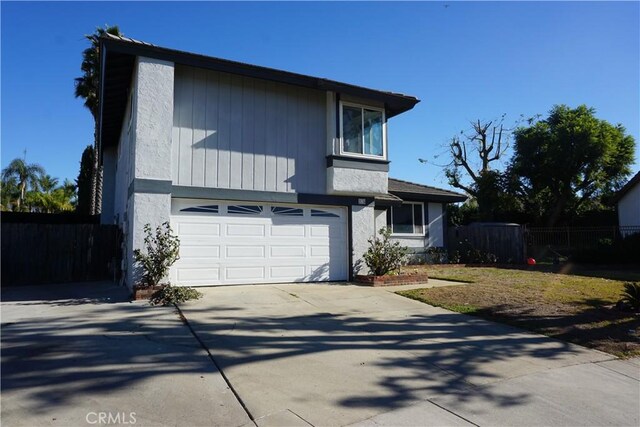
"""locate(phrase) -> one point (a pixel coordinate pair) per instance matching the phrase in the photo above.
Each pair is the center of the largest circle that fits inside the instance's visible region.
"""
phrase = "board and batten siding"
(238, 132)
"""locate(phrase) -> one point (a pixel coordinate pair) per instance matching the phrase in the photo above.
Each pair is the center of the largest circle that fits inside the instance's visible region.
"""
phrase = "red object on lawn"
(531, 261)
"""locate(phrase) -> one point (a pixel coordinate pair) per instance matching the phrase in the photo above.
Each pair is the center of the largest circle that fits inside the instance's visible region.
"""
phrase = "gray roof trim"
(396, 103)
(635, 180)
(117, 66)
(387, 200)
(413, 191)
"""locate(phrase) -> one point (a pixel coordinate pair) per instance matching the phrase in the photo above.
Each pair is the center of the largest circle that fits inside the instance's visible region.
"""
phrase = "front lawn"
(572, 308)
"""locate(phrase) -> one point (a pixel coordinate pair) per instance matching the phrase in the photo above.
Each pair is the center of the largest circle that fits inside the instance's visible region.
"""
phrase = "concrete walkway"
(329, 355)
(71, 353)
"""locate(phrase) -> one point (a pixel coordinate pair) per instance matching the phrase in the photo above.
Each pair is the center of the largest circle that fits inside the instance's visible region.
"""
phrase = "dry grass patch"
(572, 308)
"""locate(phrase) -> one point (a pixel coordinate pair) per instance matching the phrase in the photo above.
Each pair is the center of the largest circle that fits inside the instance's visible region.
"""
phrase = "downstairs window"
(407, 219)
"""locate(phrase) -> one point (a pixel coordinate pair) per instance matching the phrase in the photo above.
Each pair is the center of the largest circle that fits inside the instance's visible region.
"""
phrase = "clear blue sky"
(463, 60)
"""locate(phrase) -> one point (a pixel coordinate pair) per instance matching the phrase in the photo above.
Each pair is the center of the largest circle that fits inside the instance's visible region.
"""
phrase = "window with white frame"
(407, 219)
(362, 130)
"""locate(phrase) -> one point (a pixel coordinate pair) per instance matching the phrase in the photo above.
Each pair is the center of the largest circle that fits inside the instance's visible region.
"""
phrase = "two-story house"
(266, 176)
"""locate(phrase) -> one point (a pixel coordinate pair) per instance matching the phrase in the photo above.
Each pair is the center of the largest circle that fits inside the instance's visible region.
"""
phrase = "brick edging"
(388, 280)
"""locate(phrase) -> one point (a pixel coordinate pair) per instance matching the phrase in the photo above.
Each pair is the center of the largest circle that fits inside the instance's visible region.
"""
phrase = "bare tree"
(472, 154)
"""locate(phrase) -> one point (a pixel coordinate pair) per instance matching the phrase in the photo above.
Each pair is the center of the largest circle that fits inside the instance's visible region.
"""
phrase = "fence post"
(524, 234)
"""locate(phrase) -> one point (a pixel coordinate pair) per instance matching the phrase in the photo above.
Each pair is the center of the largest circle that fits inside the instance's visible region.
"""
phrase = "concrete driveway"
(338, 354)
(81, 354)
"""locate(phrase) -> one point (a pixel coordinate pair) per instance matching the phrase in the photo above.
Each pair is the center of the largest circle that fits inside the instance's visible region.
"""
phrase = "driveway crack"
(218, 367)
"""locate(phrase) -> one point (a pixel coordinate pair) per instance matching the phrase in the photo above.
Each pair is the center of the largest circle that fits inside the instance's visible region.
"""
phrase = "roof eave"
(444, 198)
(394, 103)
(635, 180)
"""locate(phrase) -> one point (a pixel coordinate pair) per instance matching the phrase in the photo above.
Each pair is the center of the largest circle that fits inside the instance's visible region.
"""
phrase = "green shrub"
(437, 255)
(631, 294)
(468, 254)
(170, 295)
(162, 250)
(384, 256)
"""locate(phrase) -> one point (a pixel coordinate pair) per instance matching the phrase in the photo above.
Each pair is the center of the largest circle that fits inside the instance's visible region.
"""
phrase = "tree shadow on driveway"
(371, 362)
(64, 357)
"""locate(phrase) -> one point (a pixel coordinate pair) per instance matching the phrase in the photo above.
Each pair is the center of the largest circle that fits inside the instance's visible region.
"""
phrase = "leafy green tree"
(85, 180)
(87, 88)
(564, 164)
(25, 176)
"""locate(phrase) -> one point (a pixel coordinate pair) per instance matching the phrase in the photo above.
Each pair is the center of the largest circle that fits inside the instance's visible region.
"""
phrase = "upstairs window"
(406, 219)
(362, 130)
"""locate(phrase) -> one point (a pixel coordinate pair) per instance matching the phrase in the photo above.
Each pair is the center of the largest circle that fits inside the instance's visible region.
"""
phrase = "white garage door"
(223, 243)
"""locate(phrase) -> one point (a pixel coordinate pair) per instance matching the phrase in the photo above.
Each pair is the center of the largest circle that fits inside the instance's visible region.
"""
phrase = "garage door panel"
(293, 272)
(323, 251)
(272, 246)
(288, 251)
(245, 251)
(297, 230)
(251, 274)
(204, 251)
(319, 230)
(198, 275)
(319, 272)
(199, 228)
(247, 230)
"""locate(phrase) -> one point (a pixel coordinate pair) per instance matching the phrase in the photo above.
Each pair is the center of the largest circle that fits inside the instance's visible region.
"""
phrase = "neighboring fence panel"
(57, 253)
(552, 243)
(505, 241)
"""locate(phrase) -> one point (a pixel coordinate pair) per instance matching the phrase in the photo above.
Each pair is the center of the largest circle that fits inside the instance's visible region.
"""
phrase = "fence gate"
(504, 240)
(35, 254)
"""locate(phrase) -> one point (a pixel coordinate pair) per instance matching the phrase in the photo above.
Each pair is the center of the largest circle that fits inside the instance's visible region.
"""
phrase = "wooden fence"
(37, 253)
(549, 243)
(505, 241)
(513, 243)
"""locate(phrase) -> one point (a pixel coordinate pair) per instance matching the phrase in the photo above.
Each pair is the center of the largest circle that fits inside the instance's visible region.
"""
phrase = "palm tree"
(47, 183)
(86, 87)
(26, 176)
(9, 193)
(52, 198)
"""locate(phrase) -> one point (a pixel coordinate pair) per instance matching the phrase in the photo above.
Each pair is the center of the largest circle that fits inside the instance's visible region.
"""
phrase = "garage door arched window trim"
(245, 209)
(211, 209)
(288, 211)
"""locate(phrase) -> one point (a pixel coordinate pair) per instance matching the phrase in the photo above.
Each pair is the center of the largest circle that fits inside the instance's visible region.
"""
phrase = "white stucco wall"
(149, 153)
(380, 219)
(363, 228)
(436, 225)
(154, 119)
(356, 181)
(412, 242)
(151, 209)
(629, 208)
